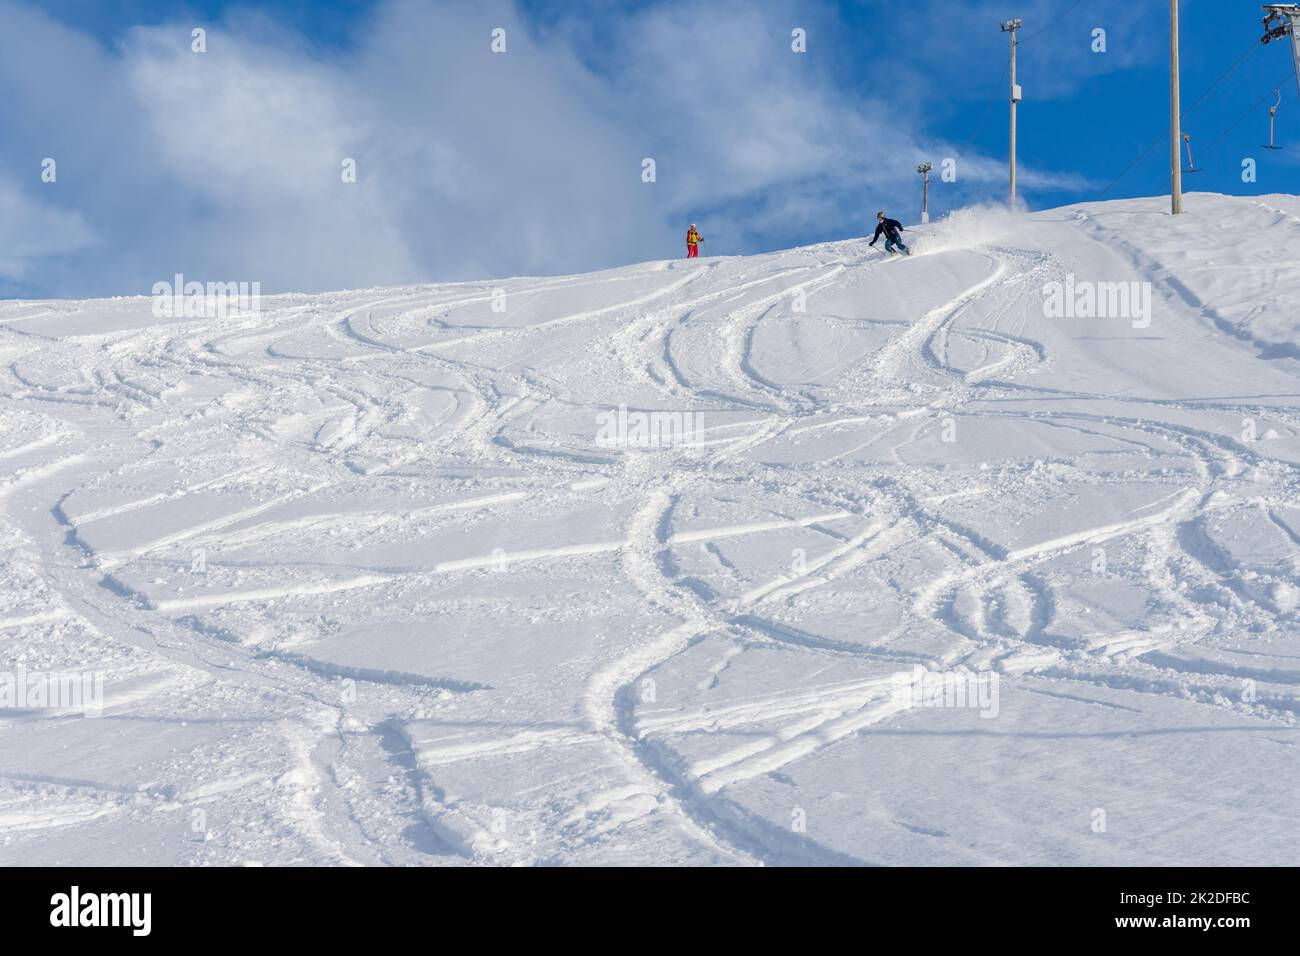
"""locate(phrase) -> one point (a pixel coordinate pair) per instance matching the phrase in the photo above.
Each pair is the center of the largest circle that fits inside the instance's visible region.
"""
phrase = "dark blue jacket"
(890, 227)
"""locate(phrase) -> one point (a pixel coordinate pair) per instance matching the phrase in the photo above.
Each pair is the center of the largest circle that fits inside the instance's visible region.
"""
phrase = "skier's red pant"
(692, 251)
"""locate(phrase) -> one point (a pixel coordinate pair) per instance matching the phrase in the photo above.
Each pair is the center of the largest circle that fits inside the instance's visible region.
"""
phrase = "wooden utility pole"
(1175, 110)
(1011, 26)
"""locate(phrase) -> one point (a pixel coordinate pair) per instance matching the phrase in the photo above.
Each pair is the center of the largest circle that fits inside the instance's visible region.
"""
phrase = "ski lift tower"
(924, 170)
(1281, 19)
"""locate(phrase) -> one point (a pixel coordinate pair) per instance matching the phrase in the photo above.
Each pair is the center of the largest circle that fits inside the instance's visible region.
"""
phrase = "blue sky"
(225, 165)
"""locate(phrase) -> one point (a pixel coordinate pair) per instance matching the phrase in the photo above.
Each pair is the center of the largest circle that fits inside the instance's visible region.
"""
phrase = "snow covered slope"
(623, 568)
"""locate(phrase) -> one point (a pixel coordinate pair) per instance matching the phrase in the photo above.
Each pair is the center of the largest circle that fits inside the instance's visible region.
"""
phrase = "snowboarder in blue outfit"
(892, 229)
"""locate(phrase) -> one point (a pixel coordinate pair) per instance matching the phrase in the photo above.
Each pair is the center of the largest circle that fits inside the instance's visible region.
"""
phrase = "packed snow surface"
(623, 568)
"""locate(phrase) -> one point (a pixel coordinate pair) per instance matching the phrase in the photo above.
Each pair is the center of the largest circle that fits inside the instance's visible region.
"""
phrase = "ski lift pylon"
(1283, 20)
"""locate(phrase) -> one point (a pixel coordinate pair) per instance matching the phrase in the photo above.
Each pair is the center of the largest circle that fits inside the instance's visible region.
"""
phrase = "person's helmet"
(692, 225)
(880, 215)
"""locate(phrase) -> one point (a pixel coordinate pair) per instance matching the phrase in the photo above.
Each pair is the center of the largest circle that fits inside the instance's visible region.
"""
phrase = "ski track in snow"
(365, 588)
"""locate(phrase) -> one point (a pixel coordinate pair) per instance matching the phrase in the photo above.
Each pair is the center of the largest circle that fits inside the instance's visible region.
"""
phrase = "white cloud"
(32, 232)
(226, 165)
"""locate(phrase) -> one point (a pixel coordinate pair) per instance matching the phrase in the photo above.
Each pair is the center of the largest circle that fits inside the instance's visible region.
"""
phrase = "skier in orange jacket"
(693, 241)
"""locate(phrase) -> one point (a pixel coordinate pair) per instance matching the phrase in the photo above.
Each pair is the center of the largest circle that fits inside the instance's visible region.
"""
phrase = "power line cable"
(1060, 16)
(1006, 70)
(1242, 118)
(1129, 168)
(1186, 113)
(1226, 73)
(988, 110)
